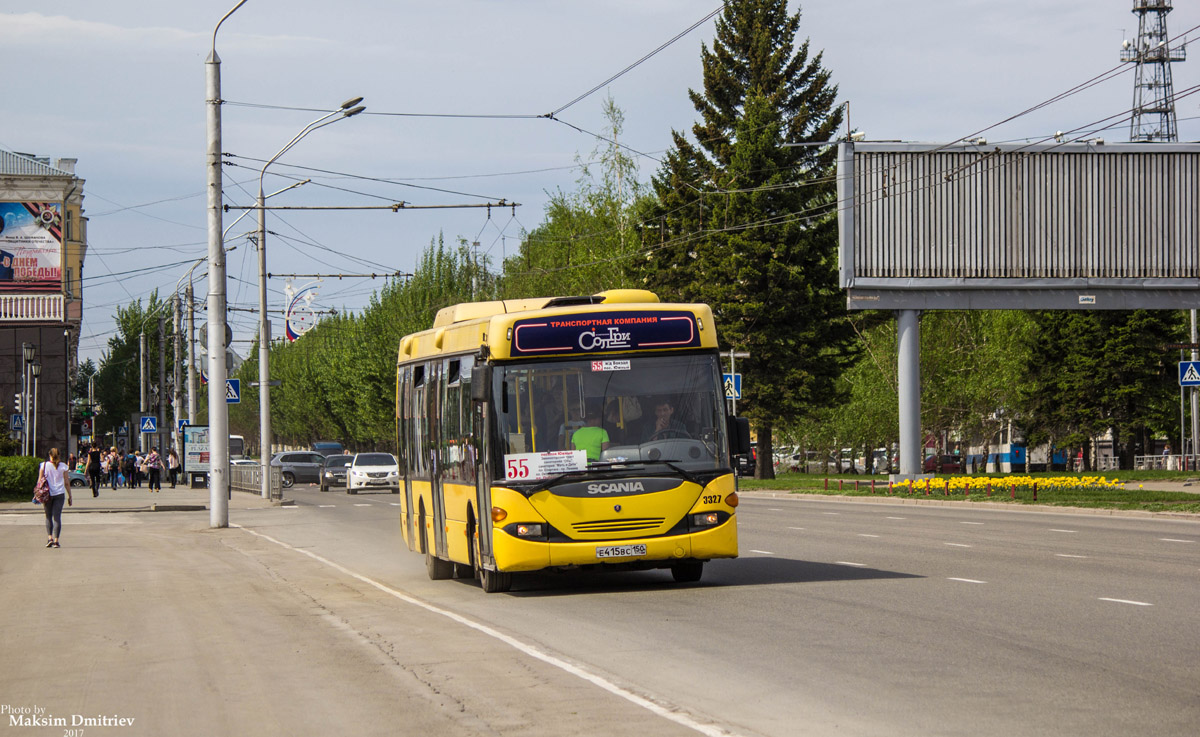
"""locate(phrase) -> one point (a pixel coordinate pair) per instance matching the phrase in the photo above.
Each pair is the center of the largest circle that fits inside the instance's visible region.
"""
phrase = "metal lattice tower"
(1153, 95)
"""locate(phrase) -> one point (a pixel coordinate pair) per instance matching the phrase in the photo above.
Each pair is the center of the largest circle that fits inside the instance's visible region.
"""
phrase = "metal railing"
(31, 307)
(1176, 462)
(248, 478)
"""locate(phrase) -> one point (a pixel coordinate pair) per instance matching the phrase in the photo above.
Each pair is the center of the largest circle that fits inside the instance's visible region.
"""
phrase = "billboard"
(31, 246)
(1019, 226)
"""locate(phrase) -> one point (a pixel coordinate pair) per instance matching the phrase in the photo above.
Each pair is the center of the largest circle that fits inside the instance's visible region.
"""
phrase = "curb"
(896, 500)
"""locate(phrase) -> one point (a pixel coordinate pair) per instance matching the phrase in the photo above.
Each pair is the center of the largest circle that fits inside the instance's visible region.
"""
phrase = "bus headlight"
(706, 519)
(529, 531)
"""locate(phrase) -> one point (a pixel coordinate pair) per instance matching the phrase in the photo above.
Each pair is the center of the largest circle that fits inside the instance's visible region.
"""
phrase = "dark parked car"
(334, 474)
(299, 466)
(745, 462)
(950, 464)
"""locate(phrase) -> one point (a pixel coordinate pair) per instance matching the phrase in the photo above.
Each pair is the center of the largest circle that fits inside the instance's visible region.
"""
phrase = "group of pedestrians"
(128, 470)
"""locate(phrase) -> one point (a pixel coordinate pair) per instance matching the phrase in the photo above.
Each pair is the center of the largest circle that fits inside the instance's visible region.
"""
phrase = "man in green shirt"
(591, 438)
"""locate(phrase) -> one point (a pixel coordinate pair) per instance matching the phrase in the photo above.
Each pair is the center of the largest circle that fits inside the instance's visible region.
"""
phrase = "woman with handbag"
(52, 474)
(153, 465)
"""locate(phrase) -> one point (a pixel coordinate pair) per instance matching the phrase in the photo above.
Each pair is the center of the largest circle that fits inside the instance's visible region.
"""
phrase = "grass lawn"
(1092, 490)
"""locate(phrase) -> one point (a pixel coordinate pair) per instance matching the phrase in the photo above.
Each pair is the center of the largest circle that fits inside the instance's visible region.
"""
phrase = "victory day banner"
(31, 246)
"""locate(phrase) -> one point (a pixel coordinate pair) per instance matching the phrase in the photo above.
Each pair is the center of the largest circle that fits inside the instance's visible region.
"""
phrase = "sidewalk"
(179, 499)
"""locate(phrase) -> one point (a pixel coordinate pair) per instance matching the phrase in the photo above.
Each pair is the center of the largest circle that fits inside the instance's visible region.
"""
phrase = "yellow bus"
(565, 433)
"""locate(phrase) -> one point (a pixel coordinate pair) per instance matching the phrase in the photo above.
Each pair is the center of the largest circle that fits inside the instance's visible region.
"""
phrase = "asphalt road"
(852, 618)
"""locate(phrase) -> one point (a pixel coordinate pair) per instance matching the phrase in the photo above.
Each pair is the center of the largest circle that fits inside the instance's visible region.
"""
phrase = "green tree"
(118, 394)
(748, 224)
(1089, 372)
(589, 235)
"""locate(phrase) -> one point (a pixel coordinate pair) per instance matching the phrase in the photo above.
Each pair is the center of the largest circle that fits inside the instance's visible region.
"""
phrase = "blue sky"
(119, 85)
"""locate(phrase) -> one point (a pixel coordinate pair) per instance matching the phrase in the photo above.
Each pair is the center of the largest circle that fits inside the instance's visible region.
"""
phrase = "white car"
(373, 471)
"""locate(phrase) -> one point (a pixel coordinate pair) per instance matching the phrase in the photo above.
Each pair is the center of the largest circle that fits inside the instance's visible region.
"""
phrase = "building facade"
(43, 244)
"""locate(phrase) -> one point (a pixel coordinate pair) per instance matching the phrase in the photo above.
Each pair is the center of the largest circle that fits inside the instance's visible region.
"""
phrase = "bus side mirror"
(481, 382)
(739, 435)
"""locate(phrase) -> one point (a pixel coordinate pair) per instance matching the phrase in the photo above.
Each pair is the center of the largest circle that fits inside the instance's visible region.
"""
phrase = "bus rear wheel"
(492, 582)
(688, 571)
(438, 569)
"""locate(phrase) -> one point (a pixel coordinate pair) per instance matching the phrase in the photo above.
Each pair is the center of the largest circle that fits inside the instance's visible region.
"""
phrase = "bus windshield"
(557, 417)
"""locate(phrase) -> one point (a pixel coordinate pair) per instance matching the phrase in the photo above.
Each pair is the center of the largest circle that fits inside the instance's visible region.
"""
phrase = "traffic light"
(17, 403)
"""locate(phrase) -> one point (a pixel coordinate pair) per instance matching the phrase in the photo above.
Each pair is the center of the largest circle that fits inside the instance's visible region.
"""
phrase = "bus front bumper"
(513, 554)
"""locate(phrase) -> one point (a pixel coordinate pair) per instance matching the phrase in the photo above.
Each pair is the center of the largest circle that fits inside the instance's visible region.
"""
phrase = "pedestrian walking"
(173, 466)
(131, 478)
(154, 469)
(93, 468)
(114, 468)
(54, 472)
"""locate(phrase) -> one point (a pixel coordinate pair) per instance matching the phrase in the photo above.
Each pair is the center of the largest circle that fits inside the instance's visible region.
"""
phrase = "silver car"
(299, 467)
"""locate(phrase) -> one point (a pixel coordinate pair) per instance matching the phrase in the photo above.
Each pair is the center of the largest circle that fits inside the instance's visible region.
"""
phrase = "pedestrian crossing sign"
(1189, 373)
(233, 391)
(149, 424)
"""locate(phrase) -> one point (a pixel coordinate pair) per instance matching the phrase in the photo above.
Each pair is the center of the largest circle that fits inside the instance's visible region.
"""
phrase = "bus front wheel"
(688, 571)
(492, 582)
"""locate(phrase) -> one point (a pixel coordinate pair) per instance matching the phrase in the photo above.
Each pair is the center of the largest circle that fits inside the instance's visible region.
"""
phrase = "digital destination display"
(604, 332)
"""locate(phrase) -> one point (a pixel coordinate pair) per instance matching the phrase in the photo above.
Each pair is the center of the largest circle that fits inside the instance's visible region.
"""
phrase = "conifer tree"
(749, 225)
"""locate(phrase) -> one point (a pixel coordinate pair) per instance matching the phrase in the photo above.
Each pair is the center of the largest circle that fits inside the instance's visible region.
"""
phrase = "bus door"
(404, 450)
(483, 477)
(435, 381)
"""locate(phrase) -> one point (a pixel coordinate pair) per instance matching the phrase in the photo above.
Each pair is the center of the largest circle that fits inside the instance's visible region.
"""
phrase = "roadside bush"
(18, 474)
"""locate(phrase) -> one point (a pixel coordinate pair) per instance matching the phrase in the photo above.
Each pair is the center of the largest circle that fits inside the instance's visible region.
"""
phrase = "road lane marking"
(970, 523)
(666, 712)
(1126, 601)
(396, 504)
(362, 505)
(965, 580)
(326, 506)
(1065, 555)
(831, 513)
(1175, 540)
(773, 509)
(848, 563)
(895, 518)
(762, 552)
(795, 528)
(863, 534)
(1070, 531)
(957, 545)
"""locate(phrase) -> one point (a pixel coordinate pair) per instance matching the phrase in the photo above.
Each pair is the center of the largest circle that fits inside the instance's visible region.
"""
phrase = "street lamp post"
(218, 411)
(347, 109)
(28, 350)
(35, 370)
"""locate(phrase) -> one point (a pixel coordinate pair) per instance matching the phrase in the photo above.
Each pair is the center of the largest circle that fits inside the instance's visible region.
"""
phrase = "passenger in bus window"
(592, 438)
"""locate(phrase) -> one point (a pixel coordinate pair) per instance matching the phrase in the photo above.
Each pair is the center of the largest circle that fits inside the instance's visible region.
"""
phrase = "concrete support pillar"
(908, 348)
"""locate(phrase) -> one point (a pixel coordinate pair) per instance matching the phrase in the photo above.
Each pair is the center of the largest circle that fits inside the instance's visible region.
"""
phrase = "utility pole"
(142, 404)
(191, 359)
(218, 411)
(162, 385)
(176, 395)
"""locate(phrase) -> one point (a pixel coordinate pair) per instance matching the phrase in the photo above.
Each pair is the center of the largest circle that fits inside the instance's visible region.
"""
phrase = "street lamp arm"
(218, 26)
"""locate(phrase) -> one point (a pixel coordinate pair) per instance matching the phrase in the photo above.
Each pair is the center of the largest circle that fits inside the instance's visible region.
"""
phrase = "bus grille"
(619, 525)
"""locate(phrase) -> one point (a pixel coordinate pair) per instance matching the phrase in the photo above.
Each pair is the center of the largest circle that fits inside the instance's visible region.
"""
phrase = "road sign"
(733, 386)
(149, 423)
(17, 422)
(85, 427)
(122, 430)
(183, 422)
(1189, 373)
(233, 391)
